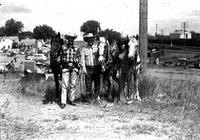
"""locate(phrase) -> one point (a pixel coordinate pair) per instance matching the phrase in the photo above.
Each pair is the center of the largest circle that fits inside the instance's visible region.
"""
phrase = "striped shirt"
(89, 55)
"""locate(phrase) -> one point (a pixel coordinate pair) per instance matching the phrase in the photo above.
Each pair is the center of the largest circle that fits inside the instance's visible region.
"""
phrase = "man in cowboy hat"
(91, 66)
(70, 61)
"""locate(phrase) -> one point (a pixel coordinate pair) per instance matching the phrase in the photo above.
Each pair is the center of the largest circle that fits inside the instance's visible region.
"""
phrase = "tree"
(90, 26)
(195, 35)
(2, 31)
(43, 32)
(13, 27)
(26, 34)
(110, 34)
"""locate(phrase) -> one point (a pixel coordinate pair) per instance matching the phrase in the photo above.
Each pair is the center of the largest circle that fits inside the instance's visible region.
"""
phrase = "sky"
(121, 15)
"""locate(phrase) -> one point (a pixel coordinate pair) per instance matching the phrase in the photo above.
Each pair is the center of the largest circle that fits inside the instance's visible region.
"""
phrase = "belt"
(69, 64)
(126, 65)
(90, 67)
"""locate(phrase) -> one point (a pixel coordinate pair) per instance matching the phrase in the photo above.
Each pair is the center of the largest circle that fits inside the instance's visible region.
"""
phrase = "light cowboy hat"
(88, 35)
(70, 35)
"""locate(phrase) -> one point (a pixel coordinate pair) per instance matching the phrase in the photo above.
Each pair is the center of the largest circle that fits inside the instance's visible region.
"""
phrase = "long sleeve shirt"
(89, 55)
(70, 54)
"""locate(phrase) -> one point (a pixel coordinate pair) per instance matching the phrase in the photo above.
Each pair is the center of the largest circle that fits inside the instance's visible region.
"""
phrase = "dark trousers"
(56, 70)
(93, 75)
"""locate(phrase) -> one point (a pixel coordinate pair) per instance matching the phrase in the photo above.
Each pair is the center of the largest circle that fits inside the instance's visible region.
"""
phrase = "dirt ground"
(25, 117)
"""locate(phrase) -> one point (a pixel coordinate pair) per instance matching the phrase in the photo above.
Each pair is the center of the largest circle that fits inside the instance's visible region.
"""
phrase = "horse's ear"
(127, 37)
(58, 34)
(107, 42)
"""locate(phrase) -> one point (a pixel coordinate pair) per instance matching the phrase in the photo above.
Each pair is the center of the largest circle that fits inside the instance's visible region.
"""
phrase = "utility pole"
(156, 30)
(184, 34)
(161, 40)
(162, 34)
(143, 38)
(184, 26)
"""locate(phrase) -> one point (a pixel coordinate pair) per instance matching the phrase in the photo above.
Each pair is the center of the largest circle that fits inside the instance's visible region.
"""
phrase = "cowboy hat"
(70, 35)
(88, 35)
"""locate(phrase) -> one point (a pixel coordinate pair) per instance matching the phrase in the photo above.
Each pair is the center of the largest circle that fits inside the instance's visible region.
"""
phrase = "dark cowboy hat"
(88, 36)
(70, 36)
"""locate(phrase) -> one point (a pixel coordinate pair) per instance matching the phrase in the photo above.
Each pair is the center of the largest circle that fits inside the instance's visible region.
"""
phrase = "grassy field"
(169, 110)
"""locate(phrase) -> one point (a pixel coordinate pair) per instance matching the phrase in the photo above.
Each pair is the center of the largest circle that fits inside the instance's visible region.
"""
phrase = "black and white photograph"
(99, 70)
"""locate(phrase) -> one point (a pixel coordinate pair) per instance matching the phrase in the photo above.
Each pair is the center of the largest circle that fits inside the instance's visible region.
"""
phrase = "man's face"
(70, 41)
(90, 41)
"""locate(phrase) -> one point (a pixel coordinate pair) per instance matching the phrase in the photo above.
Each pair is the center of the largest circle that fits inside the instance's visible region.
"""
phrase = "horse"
(55, 51)
(106, 58)
(128, 67)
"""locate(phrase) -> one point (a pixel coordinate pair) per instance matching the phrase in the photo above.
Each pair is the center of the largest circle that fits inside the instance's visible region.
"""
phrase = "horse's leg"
(130, 88)
(122, 83)
(136, 85)
(109, 83)
(56, 84)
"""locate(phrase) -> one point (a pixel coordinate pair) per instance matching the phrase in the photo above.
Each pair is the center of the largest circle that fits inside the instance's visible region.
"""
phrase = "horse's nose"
(130, 55)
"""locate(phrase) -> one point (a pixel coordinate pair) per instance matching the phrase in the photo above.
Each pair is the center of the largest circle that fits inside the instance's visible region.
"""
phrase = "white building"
(5, 44)
(179, 34)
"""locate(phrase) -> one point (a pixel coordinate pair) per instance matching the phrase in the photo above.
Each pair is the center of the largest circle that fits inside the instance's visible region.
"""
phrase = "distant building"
(179, 34)
(28, 42)
(13, 38)
(5, 44)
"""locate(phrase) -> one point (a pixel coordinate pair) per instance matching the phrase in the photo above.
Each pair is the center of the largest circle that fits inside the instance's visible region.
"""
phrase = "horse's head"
(132, 47)
(102, 46)
(56, 40)
(103, 43)
(56, 44)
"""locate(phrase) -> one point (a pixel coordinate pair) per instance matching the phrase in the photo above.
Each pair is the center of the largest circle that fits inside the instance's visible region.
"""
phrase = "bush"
(32, 84)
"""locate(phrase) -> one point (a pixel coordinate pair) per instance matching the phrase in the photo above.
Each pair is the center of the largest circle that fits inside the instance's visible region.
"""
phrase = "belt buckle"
(70, 64)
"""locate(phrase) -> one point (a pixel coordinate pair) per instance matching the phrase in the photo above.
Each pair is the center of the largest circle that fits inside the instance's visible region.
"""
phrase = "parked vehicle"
(40, 57)
(31, 57)
(37, 57)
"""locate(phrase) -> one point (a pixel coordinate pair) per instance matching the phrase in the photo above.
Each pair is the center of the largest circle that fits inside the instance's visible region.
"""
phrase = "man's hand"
(84, 71)
(117, 75)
